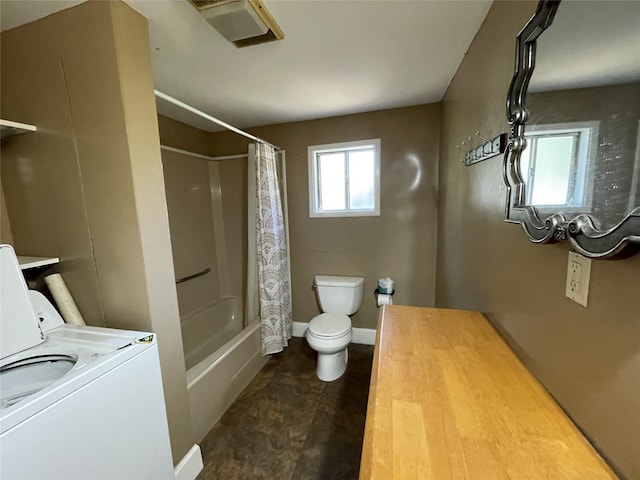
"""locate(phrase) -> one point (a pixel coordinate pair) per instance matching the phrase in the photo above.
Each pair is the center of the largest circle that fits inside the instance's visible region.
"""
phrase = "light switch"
(578, 274)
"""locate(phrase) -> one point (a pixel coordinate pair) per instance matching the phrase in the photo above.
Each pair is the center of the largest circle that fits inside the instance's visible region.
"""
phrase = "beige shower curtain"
(273, 269)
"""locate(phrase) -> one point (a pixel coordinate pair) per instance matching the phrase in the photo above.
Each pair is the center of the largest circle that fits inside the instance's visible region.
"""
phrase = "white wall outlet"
(578, 274)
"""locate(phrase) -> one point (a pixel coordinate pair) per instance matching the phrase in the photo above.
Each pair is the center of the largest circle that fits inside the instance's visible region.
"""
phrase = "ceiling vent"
(242, 22)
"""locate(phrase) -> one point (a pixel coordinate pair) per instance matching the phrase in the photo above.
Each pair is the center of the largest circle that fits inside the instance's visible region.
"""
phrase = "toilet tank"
(338, 294)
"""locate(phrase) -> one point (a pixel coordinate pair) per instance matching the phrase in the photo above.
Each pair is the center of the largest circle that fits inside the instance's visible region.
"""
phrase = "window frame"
(586, 149)
(314, 178)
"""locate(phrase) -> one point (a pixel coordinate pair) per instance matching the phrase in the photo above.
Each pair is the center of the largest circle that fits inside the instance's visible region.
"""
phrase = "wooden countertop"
(450, 400)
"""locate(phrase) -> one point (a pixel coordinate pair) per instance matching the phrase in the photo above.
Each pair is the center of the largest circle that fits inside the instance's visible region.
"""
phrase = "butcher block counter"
(450, 400)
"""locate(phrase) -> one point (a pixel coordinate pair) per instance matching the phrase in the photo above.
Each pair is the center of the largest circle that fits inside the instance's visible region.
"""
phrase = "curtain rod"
(206, 116)
(203, 157)
(206, 157)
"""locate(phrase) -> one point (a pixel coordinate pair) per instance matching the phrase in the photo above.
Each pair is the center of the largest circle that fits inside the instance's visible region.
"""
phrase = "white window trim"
(313, 150)
(588, 148)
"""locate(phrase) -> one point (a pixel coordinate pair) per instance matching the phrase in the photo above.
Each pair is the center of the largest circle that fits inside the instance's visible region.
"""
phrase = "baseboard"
(190, 466)
(364, 336)
(361, 336)
(299, 329)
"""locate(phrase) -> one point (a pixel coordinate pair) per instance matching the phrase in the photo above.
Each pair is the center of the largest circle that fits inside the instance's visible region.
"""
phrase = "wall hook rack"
(486, 150)
(482, 136)
(472, 142)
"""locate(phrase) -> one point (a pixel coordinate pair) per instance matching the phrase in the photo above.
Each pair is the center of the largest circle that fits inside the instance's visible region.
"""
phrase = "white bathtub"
(217, 380)
(207, 329)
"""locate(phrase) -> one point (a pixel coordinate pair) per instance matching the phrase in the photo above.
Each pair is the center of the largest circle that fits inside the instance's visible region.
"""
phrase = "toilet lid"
(330, 325)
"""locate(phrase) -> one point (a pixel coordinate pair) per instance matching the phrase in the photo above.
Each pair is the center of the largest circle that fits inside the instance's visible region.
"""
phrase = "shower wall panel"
(233, 181)
(192, 234)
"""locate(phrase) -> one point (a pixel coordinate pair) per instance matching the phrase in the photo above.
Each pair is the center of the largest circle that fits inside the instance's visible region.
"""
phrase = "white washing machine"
(75, 402)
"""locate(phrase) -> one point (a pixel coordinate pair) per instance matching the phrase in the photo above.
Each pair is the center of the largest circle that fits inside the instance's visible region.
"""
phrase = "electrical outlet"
(578, 274)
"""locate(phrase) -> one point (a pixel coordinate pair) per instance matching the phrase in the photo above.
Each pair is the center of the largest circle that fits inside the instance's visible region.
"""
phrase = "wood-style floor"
(287, 424)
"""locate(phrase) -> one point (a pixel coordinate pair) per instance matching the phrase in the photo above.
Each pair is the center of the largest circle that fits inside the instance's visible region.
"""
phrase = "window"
(555, 163)
(344, 179)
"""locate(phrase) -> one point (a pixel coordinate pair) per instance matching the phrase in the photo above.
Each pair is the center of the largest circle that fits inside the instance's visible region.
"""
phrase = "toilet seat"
(330, 325)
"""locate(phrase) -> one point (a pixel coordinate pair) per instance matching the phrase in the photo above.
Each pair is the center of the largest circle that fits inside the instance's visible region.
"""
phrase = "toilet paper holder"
(378, 292)
(383, 298)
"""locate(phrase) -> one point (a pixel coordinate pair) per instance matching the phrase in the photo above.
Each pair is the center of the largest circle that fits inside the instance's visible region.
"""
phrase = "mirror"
(572, 166)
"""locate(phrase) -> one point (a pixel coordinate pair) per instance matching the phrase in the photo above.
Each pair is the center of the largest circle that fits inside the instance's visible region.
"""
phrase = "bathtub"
(207, 329)
(216, 381)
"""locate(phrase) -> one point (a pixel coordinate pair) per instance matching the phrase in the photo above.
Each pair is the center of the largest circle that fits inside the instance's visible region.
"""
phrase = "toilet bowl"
(330, 333)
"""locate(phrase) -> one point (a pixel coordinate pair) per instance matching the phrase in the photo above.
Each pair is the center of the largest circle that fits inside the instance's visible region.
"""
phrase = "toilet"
(329, 333)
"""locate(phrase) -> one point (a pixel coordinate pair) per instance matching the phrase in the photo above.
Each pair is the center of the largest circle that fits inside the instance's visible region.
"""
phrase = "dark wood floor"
(287, 424)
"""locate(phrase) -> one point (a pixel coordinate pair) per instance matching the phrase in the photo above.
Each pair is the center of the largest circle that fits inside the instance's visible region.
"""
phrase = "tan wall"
(179, 135)
(88, 187)
(399, 243)
(588, 358)
(40, 171)
(5, 225)
(159, 298)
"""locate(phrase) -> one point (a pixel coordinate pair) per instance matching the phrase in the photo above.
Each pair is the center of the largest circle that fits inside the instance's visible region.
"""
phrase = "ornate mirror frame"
(580, 231)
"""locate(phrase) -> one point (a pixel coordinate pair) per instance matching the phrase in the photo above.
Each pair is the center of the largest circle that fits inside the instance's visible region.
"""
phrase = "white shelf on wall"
(35, 262)
(7, 128)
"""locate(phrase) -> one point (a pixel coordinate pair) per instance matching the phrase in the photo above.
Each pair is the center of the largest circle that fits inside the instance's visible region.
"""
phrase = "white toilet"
(329, 333)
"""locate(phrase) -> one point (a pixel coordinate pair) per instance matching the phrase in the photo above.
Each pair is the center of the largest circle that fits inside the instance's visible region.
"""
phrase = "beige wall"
(159, 301)
(40, 171)
(399, 243)
(179, 135)
(88, 186)
(588, 358)
(5, 225)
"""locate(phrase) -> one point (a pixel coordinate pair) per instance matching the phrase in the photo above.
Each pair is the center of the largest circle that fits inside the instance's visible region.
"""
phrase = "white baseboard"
(361, 336)
(364, 336)
(299, 329)
(191, 464)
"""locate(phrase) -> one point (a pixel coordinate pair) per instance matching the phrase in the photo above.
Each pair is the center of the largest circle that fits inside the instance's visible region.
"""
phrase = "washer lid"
(19, 326)
(338, 281)
(330, 325)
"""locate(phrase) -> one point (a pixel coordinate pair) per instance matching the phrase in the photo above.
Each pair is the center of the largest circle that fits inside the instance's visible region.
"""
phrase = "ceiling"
(589, 44)
(338, 56)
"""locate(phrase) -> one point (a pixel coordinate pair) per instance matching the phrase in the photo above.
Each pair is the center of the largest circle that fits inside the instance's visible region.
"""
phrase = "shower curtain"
(273, 269)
